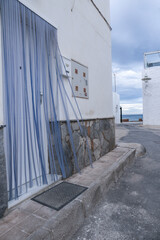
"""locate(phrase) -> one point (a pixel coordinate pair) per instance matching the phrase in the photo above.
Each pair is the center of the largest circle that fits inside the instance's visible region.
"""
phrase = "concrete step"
(40, 222)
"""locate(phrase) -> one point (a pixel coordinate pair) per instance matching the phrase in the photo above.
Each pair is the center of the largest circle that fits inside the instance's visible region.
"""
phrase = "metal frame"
(149, 53)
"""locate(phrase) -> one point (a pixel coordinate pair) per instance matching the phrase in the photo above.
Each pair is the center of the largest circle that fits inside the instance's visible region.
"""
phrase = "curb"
(66, 223)
(140, 149)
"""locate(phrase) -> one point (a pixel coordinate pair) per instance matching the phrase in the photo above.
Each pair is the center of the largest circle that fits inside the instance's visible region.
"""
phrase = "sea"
(133, 117)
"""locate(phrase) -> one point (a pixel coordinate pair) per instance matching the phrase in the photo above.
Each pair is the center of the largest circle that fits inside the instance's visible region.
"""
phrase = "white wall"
(85, 37)
(104, 8)
(151, 97)
(1, 87)
(116, 107)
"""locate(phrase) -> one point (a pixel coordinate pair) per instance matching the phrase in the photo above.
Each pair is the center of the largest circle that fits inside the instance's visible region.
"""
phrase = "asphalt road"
(131, 208)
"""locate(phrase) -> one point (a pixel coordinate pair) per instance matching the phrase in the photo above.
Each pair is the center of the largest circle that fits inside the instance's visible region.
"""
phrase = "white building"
(151, 88)
(116, 107)
(84, 38)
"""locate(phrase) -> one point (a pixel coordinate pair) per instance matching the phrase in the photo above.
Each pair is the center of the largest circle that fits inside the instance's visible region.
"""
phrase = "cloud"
(128, 78)
(128, 85)
(130, 101)
(135, 29)
(130, 108)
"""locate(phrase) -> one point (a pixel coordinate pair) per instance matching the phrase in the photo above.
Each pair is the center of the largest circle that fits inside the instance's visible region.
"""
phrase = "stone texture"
(76, 140)
(31, 223)
(41, 234)
(97, 153)
(64, 130)
(80, 156)
(4, 227)
(14, 233)
(105, 148)
(100, 139)
(29, 207)
(69, 156)
(3, 178)
(130, 210)
(45, 223)
(67, 222)
(45, 212)
(15, 217)
(75, 126)
(140, 149)
(96, 144)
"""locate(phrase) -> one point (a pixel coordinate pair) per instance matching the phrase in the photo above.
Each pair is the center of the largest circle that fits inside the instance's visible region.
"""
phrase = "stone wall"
(3, 178)
(101, 140)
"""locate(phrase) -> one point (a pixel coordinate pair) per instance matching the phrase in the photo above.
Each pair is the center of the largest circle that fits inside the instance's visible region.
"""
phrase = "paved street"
(131, 208)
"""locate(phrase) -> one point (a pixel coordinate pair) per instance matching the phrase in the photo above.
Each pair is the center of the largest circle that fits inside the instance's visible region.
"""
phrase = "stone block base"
(100, 137)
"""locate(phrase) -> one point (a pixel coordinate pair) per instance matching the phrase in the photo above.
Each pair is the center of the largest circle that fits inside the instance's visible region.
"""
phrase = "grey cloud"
(128, 94)
(136, 29)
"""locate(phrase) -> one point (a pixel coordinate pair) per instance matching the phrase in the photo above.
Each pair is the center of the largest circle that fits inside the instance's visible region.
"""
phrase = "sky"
(135, 30)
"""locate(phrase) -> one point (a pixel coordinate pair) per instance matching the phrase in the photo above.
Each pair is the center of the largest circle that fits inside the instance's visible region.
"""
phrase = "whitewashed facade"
(151, 90)
(116, 107)
(85, 37)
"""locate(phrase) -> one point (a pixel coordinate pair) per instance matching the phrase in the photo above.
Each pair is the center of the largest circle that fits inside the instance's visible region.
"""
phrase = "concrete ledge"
(65, 223)
(31, 220)
(140, 149)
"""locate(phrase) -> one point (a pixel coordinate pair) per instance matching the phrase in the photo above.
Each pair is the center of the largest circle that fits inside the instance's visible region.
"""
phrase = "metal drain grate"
(60, 195)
